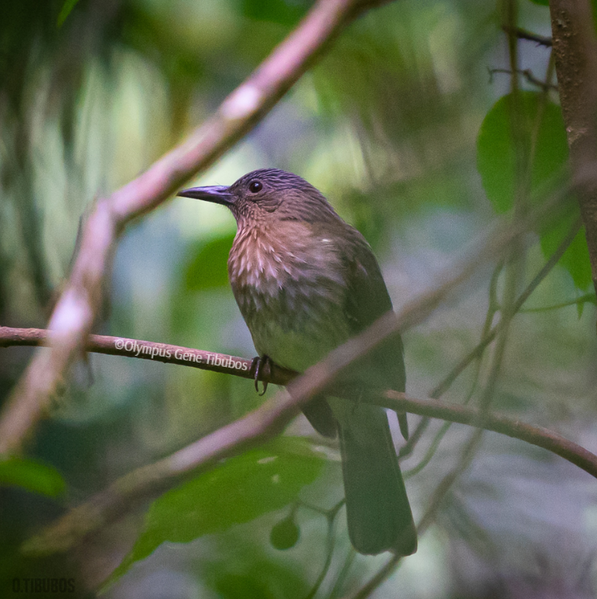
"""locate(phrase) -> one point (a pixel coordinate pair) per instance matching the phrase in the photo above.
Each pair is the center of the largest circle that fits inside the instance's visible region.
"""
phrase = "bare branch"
(528, 75)
(75, 312)
(157, 352)
(535, 435)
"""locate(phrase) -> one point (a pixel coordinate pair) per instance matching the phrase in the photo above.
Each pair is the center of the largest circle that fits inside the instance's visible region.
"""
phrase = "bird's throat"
(288, 284)
(269, 256)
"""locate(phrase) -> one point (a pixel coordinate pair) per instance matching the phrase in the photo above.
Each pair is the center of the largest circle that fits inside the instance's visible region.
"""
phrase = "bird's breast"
(290, 287)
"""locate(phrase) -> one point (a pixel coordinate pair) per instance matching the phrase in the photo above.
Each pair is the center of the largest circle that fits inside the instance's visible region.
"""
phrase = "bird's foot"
(261, 368)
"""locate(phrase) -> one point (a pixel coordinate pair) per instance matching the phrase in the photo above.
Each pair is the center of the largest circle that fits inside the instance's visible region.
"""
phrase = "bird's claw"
(261, 367)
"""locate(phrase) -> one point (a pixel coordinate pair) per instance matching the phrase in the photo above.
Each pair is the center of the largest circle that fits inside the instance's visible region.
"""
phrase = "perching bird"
(305, 282)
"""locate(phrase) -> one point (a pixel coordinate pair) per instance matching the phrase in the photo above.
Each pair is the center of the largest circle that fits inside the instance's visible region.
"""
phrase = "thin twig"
(528, 75)
(492, 309)
(343, 573)
(330, 543)
(524, 34)
(468, 453)
(583, 299)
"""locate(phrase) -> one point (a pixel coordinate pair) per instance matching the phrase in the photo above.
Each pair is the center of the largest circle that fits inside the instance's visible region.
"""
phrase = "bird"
(305, 282)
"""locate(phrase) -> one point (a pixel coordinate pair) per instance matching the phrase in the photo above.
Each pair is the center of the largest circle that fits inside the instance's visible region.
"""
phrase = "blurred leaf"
(240, 490)
(242, 586)
(32, 476)
(576, 258)
(284, 12)
(496, 160)
(207, 266)
(496, 154)
(260, 578)
(541, 2)
(65, 11)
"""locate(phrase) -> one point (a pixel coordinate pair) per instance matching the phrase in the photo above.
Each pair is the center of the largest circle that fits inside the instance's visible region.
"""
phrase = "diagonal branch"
(77, 307)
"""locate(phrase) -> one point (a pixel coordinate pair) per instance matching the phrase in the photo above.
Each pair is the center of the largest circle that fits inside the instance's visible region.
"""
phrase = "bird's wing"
(367, 300)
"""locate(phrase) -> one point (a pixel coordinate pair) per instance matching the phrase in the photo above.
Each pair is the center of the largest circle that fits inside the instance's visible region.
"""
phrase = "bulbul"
(305, 282)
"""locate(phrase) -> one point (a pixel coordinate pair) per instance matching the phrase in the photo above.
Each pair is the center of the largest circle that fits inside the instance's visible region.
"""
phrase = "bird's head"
(268, 195)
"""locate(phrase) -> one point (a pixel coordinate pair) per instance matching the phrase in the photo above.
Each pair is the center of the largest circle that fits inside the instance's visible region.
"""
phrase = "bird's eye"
(255, 186)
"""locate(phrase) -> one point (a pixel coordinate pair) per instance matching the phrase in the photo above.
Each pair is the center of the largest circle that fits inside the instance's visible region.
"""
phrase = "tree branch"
(157, 352)
(535, 435)
(77, 307)
(575, 48)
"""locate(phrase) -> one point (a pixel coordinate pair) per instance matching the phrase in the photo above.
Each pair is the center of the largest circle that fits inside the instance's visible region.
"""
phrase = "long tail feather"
(378, 512)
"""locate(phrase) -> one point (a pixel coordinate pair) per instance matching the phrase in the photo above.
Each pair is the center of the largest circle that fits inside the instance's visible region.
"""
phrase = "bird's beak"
(218, 194)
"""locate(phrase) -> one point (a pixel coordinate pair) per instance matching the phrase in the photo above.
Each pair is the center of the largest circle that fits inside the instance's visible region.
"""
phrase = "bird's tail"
(378, 512)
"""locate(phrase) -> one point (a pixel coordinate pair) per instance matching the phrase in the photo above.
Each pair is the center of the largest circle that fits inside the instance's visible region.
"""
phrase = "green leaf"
(65, 11)
(240, 490)
(541, 2)
(285, 534)
(576, 258)
(32, 476)
(496, 161)
(496, 154)
(206, 267)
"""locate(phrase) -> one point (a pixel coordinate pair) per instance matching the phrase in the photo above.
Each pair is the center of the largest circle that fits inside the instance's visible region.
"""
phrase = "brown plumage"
(305, 282)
